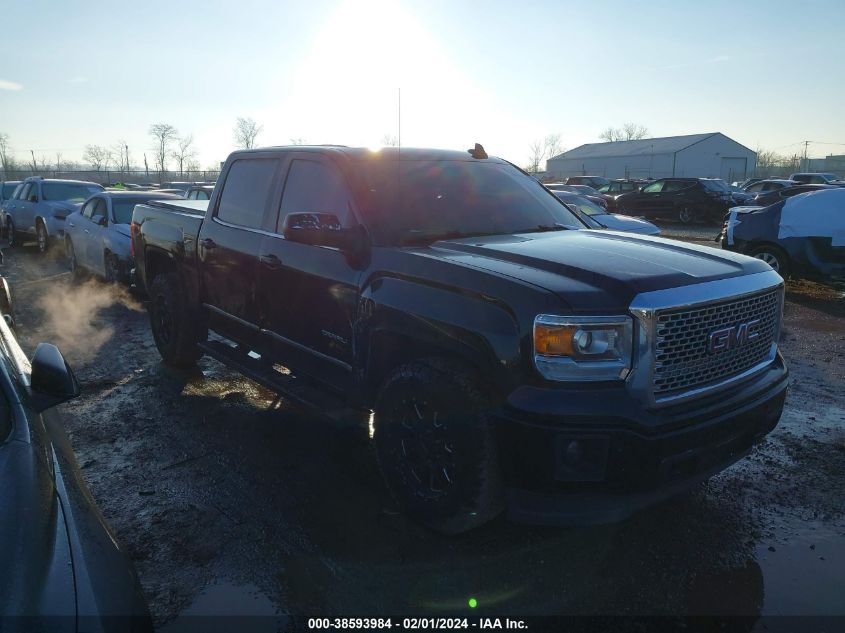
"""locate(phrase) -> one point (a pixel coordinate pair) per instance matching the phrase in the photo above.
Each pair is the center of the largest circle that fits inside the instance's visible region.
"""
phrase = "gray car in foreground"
(97, 235)
(61, 568)
(41, 205)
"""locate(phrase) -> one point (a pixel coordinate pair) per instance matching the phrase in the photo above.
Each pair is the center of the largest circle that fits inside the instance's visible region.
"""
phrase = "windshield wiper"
(542, 228)
(426, 237)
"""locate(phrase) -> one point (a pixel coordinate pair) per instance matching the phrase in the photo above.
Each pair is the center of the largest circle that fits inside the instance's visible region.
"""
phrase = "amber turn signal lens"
(554, 340)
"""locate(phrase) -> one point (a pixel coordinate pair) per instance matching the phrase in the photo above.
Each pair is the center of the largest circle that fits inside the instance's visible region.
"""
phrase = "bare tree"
(390, 140)
(535, 157)
(58, 161)
(4, 153)
(163, 134)
(121, 151)
(628, 132)
(98, 156)
(541, 151)
(634, 131)
(552, 146)
(246, 131)
(184, 152)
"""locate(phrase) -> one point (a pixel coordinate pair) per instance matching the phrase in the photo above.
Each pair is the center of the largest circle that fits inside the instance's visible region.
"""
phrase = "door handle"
(87, 231)
(270, 260)
(208, 243)
(71, 224)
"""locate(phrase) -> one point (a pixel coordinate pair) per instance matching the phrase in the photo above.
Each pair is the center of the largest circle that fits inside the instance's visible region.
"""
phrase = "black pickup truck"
(510, 357)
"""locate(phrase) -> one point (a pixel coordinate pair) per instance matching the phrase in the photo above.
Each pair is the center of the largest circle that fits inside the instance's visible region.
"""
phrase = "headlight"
(583, 348)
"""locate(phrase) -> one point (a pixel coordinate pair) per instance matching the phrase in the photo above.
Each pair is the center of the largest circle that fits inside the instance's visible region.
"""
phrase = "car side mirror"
(102, 220)
(52, 381)
(319, 229)
(32, 198)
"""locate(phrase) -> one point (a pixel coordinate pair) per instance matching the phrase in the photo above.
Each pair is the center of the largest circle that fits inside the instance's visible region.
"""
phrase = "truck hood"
(597, 270)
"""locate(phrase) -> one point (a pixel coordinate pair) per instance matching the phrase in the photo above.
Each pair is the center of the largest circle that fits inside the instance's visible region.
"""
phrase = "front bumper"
(596, 456)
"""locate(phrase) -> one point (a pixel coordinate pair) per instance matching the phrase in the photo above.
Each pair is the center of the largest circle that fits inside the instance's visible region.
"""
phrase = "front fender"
(401, 320)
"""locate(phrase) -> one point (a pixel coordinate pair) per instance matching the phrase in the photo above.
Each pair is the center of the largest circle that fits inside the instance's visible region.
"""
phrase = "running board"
(290, 387)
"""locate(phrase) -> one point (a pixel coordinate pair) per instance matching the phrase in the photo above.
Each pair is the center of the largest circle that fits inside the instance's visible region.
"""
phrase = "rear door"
(81, 232)
(229, 243)
(308, 294)
(25, 208)
(95, 230)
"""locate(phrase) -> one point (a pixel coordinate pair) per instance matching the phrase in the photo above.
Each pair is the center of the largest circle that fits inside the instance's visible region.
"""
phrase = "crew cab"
(506, 356)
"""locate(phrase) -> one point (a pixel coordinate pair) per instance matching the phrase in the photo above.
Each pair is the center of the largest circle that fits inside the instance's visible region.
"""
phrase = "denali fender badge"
(734, 336)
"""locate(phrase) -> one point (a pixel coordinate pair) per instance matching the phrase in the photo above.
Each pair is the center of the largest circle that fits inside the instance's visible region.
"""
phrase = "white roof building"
(712, 155)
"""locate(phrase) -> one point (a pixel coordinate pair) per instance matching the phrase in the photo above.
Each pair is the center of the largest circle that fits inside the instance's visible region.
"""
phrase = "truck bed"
(191, 207)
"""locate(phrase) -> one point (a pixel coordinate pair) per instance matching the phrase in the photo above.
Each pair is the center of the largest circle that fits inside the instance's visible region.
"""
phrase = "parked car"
(580, 190)
(615, 188)
(447, 293)
(97, 235)
(62, 567)
(41, 205)
(773, 184)
(766, 198)
(803, 235)
(591, 181)
(199, 192)
(178, 185)
(603, 219)
(7, 191)
(747, 182)
(684, 199)
(815, 178)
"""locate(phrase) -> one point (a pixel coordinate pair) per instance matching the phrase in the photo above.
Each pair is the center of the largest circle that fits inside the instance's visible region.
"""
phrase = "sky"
(505, 74)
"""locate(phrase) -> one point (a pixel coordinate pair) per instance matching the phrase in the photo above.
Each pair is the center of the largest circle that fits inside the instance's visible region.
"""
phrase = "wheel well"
(158, 263)
(390, 350)
(753, 246)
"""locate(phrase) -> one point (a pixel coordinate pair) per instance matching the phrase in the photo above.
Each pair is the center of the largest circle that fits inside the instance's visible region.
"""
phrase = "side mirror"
(52, 380)
(319, 229)
(102, 220)
(32, 198)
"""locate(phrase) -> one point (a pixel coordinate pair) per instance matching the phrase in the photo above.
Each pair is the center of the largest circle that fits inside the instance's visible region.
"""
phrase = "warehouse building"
(711, 155)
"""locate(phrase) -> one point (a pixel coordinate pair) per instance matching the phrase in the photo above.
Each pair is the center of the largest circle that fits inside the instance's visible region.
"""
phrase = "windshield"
(426, 199)
(68, 191)
(8, 190)
(716, 185)
(585, 190)
(588, 207)
(123, 209)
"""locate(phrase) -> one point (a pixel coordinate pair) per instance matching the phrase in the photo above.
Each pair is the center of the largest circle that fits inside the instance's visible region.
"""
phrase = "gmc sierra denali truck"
(510, 357)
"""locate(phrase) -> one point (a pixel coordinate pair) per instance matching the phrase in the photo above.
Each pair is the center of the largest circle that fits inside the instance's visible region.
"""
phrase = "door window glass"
(314, 187)
(655, 187)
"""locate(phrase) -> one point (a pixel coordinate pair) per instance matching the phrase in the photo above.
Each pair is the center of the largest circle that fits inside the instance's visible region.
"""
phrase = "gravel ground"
(232, 501)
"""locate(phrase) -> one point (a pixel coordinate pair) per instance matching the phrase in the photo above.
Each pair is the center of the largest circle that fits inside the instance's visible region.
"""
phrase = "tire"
(10, 231)
(686, 215)
(435, 446)
(177, 329)
(111, 265)
(73, 264)
(41, 237)
(774, 257)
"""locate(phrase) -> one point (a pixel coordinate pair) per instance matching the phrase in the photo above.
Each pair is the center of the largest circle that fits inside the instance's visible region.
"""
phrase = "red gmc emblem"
(731, 337)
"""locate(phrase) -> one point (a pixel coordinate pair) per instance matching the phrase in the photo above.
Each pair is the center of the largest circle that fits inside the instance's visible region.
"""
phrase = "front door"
(308, 294)
(94, 231)
(229, 243)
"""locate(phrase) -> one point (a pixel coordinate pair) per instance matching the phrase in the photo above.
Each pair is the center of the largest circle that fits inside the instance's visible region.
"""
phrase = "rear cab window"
(247, 192)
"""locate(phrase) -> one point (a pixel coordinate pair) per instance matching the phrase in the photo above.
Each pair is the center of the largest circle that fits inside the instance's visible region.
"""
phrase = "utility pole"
(399, 131)
(806, 160)
(146, 167)
(126, 147)
(34, 165)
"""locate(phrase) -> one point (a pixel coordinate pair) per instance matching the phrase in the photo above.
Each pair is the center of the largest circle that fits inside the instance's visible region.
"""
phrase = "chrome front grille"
(682, 361)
